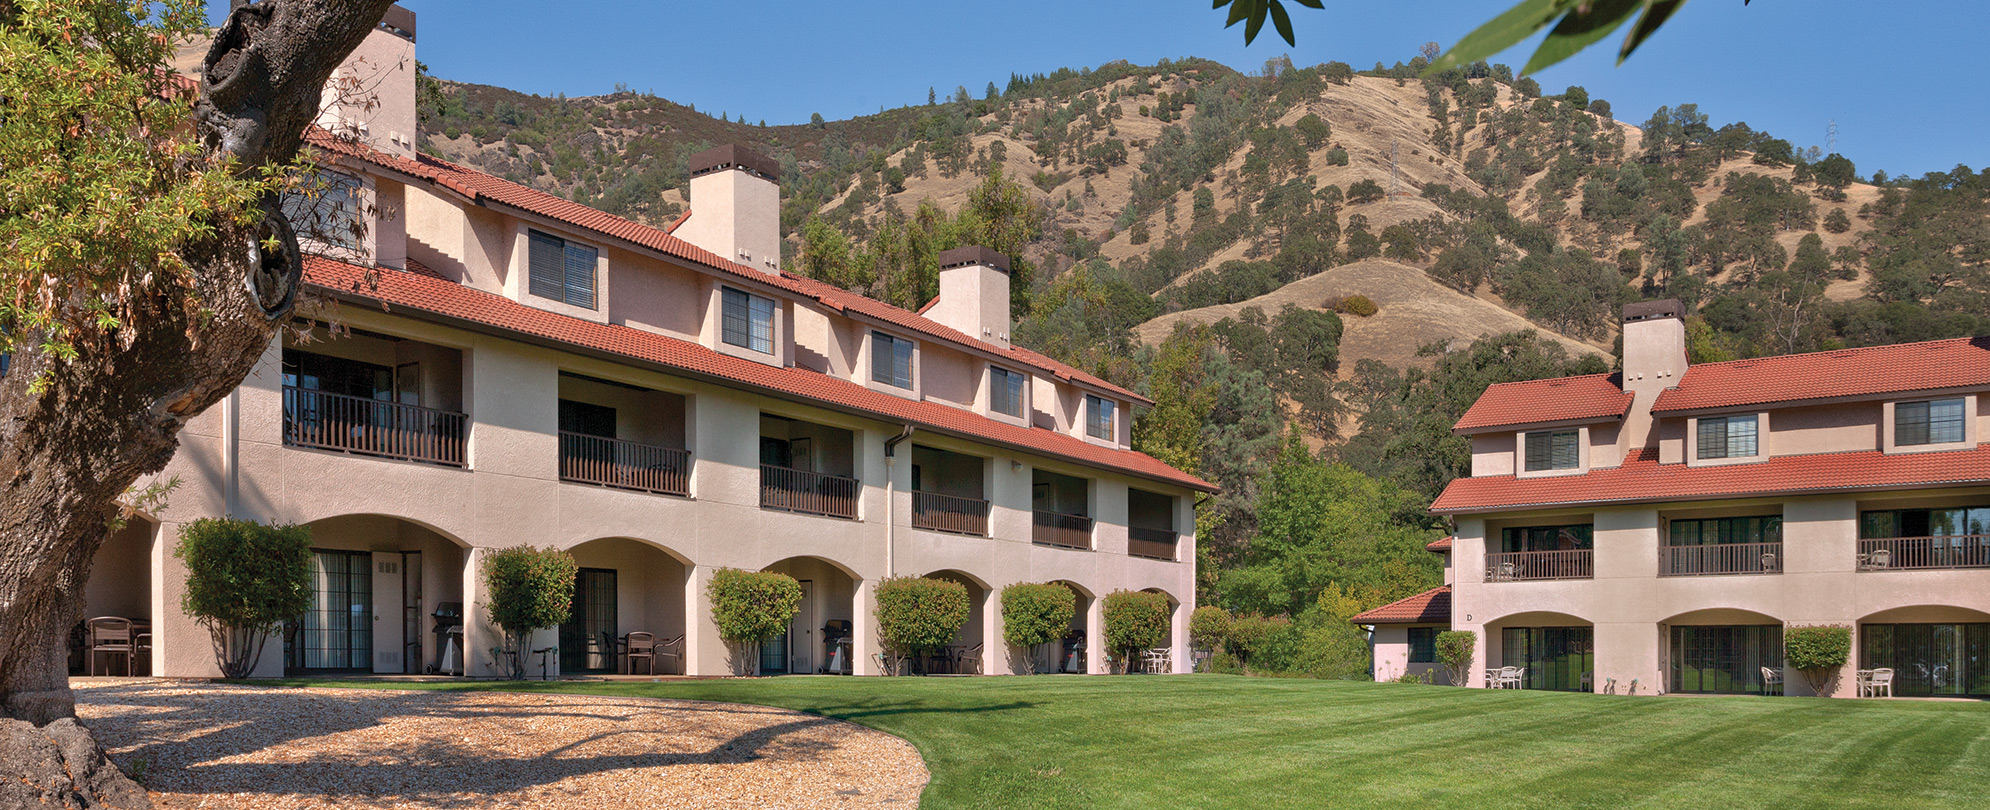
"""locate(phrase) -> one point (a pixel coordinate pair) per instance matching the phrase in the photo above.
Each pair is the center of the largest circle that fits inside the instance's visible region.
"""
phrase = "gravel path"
(205, 745)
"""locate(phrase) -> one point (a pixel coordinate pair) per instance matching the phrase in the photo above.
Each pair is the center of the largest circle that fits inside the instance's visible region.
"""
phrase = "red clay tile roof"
(413, 291)
(477, 186)
(1533, 402)
(1900, 368)
(1430, 607)
(1642, 479)
(1439, 545)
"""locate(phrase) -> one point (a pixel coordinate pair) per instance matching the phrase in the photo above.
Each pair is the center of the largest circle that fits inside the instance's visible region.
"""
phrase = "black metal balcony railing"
(625, 465)
(810, 493)
(1720, 558)
(949, 513)
(1060, 529)
(372, 427)
(1157, 544)
(1922, 553)
(1510, 566)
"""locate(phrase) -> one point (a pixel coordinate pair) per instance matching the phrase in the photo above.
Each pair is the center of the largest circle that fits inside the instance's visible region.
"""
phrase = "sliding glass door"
(1726, 660)
(587, 640)
(1930, 659)
(1556, 658)
(336, 634)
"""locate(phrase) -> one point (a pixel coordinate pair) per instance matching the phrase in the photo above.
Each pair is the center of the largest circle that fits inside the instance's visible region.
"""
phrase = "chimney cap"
(734, 156)
(1654, 310)
(399, 21)
(973, 254)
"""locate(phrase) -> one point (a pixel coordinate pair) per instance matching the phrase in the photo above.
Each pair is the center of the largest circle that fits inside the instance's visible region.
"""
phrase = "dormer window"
(1005, 391)
(1728, 437)
(891, 360)
(561, 270)
(1939, 421)
(1553, 450)
(1098, 417)
(747, 320)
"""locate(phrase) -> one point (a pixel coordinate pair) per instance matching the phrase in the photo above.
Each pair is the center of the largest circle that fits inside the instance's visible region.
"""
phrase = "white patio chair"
(1882, 679)
(1587, 682)
(1863, 679)
(1509, 677)
(1771, 677)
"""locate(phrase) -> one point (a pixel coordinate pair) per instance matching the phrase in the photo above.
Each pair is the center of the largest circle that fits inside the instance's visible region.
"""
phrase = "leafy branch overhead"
(1578, 24)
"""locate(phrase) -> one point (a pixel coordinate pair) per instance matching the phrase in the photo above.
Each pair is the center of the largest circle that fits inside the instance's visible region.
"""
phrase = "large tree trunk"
(70, 450)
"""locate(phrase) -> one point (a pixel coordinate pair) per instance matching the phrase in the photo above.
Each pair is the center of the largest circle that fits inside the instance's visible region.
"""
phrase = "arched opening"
(386, 597)
(821, 636)
(117, 595)
(1553, 651)
(1161, 660)
(1933, 650)
(968, 654)
(1728, 651)
(1073, 654)
(625, 586)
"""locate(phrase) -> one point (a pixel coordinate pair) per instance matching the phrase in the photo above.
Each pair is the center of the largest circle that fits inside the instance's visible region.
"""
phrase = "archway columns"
(1178, 638)
(1095, 637)
(863, 630)
(995, 658)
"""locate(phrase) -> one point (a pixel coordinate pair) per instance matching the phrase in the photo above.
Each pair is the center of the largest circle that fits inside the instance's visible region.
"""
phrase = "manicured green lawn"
(1230, 742)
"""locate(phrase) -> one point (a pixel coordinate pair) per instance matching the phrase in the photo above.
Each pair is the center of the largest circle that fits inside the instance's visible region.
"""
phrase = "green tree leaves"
(1578, 24)
(244, 579)
(1252, 14)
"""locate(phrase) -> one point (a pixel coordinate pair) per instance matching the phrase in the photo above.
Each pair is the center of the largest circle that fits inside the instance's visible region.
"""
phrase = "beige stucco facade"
(425, 525)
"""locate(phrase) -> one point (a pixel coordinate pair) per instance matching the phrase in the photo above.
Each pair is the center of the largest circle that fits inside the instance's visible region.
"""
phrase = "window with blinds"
(891, 360)
(562, 270)
(747, 320)
(1728, 436)
(1937, 421)
(1423, 645)
(1553, 450)
(1098, 417)
(1005, 391)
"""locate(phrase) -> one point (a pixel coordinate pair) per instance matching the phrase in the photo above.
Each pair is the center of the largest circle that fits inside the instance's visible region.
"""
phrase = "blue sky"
(1901, 78)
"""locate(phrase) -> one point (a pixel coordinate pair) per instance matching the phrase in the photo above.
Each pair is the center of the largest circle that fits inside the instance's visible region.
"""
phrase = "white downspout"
(891, 501)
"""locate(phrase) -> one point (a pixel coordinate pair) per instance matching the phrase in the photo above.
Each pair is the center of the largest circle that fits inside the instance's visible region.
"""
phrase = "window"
(1718, 531)
(1553, 450)
(747, 321)
(1728, 436)
(562, 270)
(1546, 538)
(1931, 422)
(1423, 645)
(891, 360)
(1005, 391)
(1954, 522)
(1098, 417)
(327, 210)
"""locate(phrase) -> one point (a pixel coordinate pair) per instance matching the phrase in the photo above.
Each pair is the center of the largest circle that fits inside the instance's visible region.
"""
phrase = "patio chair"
(1492, 677)
(110, 635)
(1587, 682)
(672, 650)
(969, 661)
(642, 647)
(1509, 677)
(1772, 677)
(1882, 679)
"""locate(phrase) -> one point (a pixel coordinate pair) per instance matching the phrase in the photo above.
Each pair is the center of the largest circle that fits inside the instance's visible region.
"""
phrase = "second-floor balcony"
(1154, 544)
(1061, 530)
(1924, 553)
(372, 427)
(1514, 566)
(949, 513)
(624, 465)
(810, 493)
(1720, 558)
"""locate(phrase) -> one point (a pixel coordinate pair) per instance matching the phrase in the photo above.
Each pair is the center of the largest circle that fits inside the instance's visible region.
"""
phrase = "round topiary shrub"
(917, 615)
(1454, 651)
(244, 579)
(1134, 621)
(1034, 614)
(529, 588)
(751, 607)
(1819, 652)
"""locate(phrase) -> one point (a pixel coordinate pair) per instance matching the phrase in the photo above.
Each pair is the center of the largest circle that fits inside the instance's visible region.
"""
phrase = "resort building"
(488, 366)
(1656, 530)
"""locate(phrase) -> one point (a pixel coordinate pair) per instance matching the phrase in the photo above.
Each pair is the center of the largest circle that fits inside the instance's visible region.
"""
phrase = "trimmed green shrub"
(1358, 305)
(1819, 652)
(244, 579)
(1134, 621)
(1209, 627)
(917, 615)
(1251, 634)
(1036, 613)
(751, 607)
(529, 588)
(1454, 651)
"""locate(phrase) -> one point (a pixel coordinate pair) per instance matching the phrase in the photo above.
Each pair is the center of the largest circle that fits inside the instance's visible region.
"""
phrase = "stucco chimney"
(372, 96)
(1654, 357)
(974, 293)
(736, 207)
